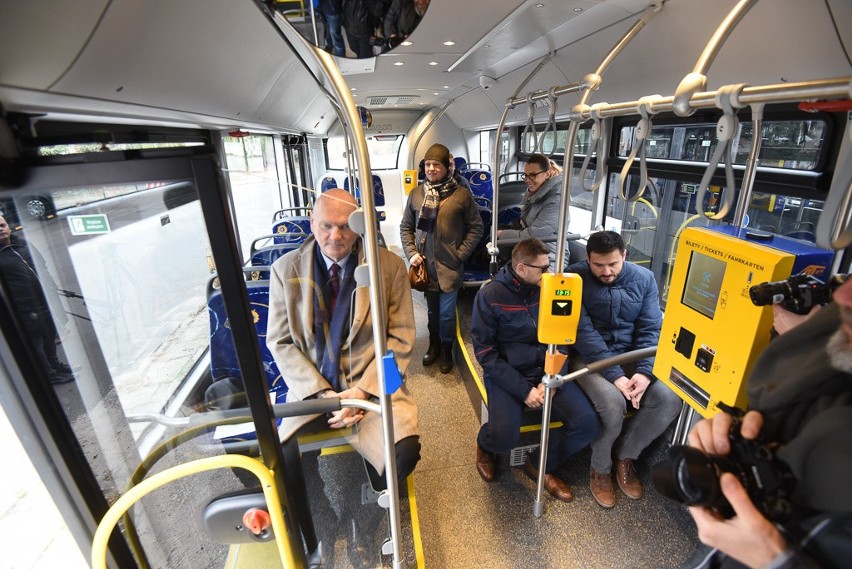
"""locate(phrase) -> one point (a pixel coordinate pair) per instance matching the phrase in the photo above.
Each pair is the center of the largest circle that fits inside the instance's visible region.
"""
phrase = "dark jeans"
(334, 33)
(505, 412)
(42, 335)
(441, 311)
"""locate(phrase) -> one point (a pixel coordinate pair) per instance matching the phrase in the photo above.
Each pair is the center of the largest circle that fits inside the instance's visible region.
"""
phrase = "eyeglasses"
(542, 268)
(532, 176)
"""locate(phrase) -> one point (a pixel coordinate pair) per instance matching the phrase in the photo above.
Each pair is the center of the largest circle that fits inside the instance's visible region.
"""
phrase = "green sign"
(88, 224)
(562, 292)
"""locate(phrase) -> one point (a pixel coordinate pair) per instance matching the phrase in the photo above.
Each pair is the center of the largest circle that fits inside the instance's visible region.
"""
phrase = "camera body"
(799, 293)
(692, 477)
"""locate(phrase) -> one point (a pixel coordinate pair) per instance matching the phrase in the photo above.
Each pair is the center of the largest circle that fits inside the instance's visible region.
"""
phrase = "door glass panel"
(117, 316)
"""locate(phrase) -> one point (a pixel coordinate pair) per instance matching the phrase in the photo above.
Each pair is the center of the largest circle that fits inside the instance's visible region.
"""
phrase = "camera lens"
(691, 477)
(769, 293)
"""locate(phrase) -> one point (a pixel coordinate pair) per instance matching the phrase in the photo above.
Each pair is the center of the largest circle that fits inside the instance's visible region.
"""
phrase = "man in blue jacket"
(621, 313)
(504, 331)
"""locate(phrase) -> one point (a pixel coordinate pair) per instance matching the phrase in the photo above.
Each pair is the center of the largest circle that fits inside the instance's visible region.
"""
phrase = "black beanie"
(440, 153)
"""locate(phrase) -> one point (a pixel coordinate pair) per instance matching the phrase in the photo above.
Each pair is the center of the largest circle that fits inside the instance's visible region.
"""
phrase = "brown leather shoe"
(625, 474)
(554, 485)
(603, 490)
(486, 465)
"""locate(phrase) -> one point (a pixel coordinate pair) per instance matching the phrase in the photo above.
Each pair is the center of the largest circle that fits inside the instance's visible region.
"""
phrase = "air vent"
(390, 100)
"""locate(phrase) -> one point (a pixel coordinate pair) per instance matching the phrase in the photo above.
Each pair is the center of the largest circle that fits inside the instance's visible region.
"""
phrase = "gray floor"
(465, 522)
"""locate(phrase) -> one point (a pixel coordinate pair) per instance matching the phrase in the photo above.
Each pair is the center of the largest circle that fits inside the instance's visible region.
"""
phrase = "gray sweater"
(540, 216)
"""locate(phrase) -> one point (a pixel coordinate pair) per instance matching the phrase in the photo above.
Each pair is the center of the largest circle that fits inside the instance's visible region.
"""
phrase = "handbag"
(418, 277)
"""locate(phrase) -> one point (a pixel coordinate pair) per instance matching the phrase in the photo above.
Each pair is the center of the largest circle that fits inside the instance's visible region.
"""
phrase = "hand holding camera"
(747, 535)
(727, 444)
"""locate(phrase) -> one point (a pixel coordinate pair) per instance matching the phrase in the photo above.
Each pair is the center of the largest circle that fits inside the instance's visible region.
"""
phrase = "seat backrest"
(292, 224)
(223, 357)
(511, 193)
(328, 183)
(277, 239)
(460, 162)
(480, 183)
(378, 190)
(271, 253)
(478, 261)
(481, 201)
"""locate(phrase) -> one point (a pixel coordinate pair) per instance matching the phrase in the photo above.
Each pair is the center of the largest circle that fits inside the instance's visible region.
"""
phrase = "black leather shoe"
(554, 485)
(486, 464)
(431, 355)
(446, 357)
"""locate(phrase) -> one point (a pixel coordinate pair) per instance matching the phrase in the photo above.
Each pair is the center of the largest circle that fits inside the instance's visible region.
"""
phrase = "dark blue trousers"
(570, 405)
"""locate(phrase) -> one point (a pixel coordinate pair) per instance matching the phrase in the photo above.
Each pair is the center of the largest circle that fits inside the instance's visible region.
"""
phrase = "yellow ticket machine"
(712, 333)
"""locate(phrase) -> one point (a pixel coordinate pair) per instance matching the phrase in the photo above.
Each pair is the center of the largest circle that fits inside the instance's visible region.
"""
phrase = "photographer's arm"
(748, 536)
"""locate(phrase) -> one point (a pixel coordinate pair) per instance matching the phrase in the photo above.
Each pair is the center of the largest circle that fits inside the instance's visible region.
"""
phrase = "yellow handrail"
(133, 495)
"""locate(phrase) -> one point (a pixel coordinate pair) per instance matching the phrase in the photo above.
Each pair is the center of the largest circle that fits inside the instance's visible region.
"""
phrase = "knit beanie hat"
(440, 153)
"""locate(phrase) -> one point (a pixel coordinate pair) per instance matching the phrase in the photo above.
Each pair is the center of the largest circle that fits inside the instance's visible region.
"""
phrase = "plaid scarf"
(435, 194)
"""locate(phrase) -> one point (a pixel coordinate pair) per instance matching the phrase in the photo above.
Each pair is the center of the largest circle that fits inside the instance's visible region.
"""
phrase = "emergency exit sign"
(88, 224)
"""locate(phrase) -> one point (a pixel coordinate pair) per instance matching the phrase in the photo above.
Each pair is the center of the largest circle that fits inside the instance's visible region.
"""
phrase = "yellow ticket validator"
(559, 308)
(409, 180)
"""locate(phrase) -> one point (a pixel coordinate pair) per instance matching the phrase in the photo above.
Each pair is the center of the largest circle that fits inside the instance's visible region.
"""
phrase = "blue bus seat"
(481, 201)
(378, 190)
(481, 184)
(461, 163)
(476, 267)
(328, 183)
(267, 255)
(292, 224)
(223, 359)
(277, 239)
(299, 211)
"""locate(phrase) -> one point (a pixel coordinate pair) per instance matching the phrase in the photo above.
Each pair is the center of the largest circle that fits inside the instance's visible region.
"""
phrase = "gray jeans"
(657, 409)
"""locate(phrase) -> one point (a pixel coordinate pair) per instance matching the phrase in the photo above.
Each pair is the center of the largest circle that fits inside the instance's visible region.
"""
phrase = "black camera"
(692, 477)
(388, 43)
(798, 294)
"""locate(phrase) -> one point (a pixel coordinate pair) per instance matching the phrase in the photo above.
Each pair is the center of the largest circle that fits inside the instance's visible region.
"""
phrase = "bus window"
(383, 149)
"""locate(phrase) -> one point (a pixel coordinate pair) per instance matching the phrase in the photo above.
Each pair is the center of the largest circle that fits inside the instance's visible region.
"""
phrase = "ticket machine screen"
(703, 284)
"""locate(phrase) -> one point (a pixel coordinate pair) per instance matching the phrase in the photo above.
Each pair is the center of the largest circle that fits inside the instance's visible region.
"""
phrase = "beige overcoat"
(292, 341)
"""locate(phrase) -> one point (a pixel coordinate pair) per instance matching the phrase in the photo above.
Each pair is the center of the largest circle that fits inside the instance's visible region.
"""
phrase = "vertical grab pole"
(376, 298)
(329, 71)
(495, 176)
(546, 410)
(590, 82)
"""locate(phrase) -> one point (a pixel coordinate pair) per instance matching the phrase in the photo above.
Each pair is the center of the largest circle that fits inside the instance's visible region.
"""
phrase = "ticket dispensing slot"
(715, 333)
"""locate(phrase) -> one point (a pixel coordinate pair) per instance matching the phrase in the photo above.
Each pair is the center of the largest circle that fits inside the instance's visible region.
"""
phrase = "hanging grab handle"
(727, 99)
(530, 127)
(642, 133)
(597, 144)
(551, 124)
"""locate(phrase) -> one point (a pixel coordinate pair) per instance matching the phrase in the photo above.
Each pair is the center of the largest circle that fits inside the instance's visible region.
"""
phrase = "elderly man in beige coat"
(321, 335)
